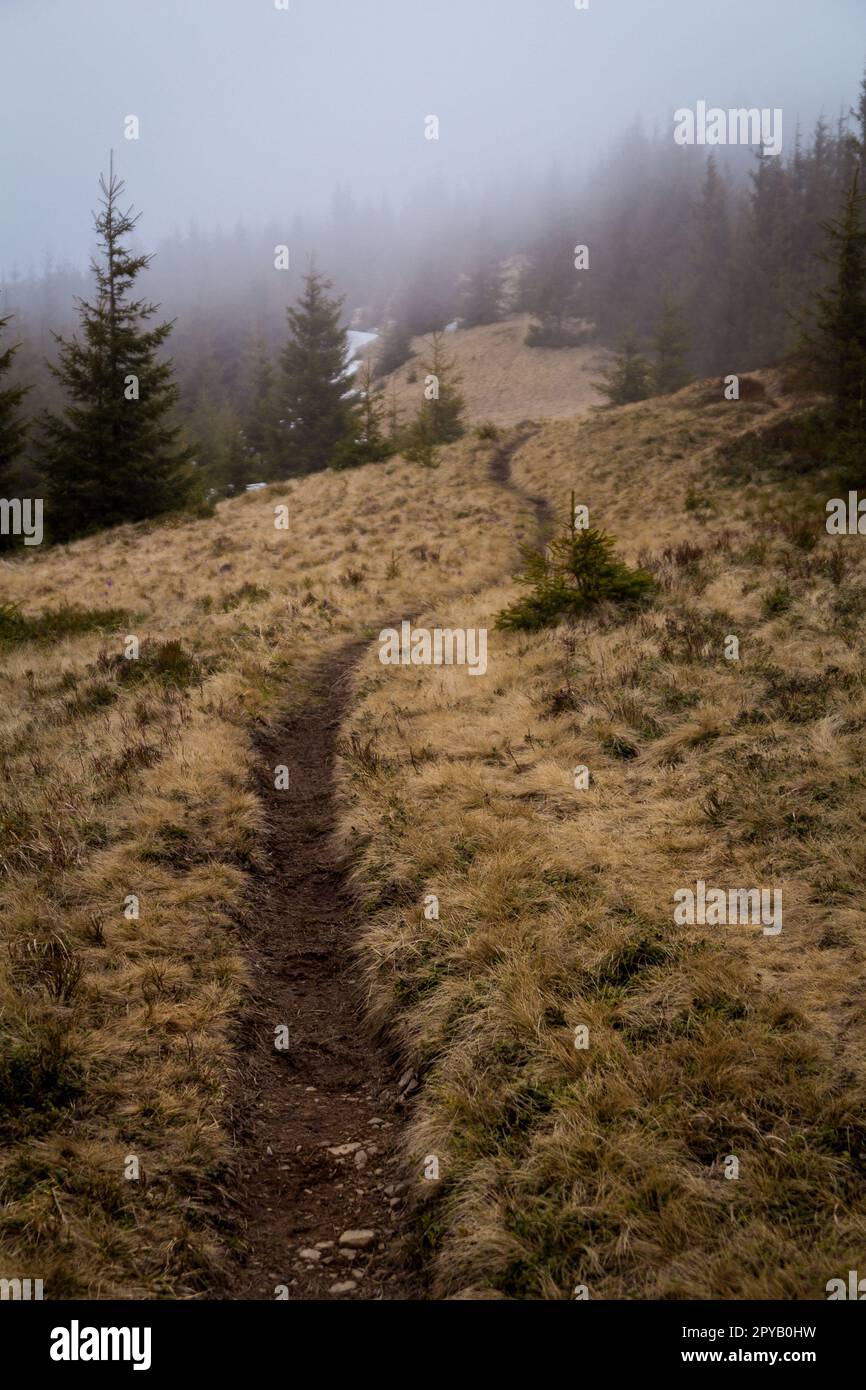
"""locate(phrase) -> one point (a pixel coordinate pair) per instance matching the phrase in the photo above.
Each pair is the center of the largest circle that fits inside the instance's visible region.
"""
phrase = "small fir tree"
(115, 454)
(481, 295)
(395, 349)
(670, 346)
(315, 412)
(13, 429)
(839, 342)
(578, 570)
(366, 441)
(440, 416)
(627, 379)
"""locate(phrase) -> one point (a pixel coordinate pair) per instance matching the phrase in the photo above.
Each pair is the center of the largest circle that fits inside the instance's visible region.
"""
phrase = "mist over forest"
(476, 224)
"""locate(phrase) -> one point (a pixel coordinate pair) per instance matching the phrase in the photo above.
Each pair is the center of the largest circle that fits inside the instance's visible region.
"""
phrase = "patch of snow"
(254, 487)
(453, 326)
(356, 341)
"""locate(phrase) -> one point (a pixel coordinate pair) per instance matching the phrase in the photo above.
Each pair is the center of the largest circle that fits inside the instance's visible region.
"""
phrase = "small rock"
(360, 1159)
(324, 1245)
(343, 1150)
(311, 1255)
(405, 1079)
(357, 1240)
(347, 1286)
(349, 1255)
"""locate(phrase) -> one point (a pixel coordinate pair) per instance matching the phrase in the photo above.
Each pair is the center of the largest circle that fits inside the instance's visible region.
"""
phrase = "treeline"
(115, 451)
(737, 261)
(685, 264)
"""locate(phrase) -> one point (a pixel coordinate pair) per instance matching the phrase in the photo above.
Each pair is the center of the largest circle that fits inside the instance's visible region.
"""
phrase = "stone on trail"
(357, 1240)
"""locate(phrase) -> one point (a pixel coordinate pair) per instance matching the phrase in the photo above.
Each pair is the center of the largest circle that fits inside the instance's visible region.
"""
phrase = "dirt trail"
(332, 1086)
(500, 470)
(321, 1119)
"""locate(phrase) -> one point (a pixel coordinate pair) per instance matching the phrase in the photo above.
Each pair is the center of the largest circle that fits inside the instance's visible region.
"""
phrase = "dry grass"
(559, 1166)
(502, 379)
(605, 1167)
(128, 777)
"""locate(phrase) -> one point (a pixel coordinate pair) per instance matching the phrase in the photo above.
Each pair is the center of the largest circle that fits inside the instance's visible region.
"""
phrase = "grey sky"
(248, 112)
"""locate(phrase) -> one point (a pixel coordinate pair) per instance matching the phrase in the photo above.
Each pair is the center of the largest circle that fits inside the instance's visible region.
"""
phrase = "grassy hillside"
(559, 1167)
(125, 777)
(604, 1167)
(501, 378)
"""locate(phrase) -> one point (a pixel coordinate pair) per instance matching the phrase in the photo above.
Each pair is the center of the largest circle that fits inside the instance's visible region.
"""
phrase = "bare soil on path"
(320, 1118)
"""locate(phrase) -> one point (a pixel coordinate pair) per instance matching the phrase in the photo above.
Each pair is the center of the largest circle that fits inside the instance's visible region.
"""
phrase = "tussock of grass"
(65, 621)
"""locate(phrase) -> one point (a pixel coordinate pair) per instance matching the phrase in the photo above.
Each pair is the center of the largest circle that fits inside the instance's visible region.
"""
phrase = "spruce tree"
(670, 345)
(366, 441)
(839, 344)
(708, 276)
(395, 349)
(440, 416)
(769, 273)
(315, 414)
(12, 427)
(259, 415)
(549, 289)
(481, 296)
(860, 116)
(394, 420)
(114, 455)
(576, 571)
(627, 378)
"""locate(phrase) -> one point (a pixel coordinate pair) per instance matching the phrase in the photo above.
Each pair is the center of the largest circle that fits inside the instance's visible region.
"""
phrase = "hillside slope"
(133, 848)
(502, 379)
(704, 1138)
(131, 834)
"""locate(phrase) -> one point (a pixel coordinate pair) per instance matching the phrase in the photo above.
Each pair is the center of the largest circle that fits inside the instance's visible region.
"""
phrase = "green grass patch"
(53, 624)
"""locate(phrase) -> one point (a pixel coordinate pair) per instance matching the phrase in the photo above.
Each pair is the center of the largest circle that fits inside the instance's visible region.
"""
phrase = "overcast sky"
(249, 112)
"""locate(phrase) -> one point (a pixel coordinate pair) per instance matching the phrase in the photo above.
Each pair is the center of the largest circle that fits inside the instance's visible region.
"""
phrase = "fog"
(253, 115)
